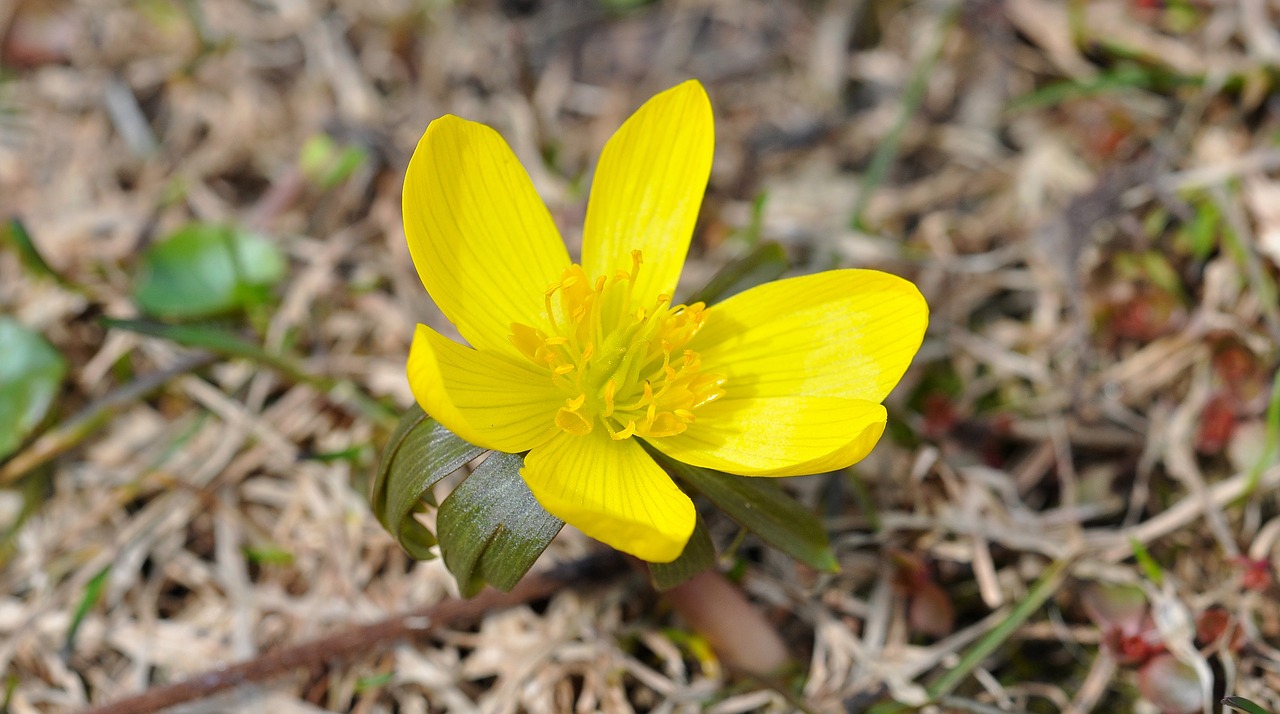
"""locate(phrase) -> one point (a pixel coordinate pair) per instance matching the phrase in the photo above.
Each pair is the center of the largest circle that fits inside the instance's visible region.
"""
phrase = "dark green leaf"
(92, 594)
(1244, 705)
(762, 507)
(491, 527)
(16, 233)
(1125, 78)
(699, 555)
(205, 270)
(217, 340)
(419, 454)
(229, 344)
(623, 5)
(764, 263)
(268, 555)
(31, 372)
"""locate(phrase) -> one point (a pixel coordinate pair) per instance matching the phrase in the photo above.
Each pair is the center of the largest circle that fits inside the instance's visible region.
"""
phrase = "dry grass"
(1091, 380)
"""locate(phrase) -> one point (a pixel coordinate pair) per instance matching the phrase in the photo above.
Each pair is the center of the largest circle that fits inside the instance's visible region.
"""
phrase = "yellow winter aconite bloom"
(576, 363)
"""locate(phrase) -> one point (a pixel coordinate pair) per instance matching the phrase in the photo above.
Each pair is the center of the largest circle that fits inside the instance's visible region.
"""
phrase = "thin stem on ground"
(366, 639)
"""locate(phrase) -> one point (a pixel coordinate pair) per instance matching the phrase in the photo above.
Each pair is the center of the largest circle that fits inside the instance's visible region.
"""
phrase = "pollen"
(620, 360)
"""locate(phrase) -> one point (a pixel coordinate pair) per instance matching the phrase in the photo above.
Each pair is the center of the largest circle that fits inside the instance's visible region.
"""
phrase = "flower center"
(620, 363)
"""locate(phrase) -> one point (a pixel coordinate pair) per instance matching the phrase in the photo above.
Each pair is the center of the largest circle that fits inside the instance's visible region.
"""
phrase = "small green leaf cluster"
(205, 270)
(31, 369)
(31, 373)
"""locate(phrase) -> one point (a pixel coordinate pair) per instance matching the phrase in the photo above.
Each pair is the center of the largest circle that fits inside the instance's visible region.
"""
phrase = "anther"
(610, 388)
(626, 433)
(573, 422)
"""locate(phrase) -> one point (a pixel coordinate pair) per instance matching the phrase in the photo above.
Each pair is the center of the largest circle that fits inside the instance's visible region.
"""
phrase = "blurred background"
(208, 301)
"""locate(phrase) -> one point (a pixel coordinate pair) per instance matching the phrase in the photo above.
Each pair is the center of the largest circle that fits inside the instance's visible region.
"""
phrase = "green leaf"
(699, 555)
(1044, 588)
(92, 594)
(419, 454)
(31, 372)
(1123, 79)
(368, 684)
(762, 507)
(1161, 273)
(1147, 564)
(205, 270)
(491, 527)
(15, 232)
(326, 164)
(1244, 705)
(765, 262)
(623, 5)
(214, 339)
(229, 344)
(267, 555)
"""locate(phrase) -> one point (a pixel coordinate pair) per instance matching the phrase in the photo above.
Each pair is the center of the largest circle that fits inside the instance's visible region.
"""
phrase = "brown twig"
(362, 640)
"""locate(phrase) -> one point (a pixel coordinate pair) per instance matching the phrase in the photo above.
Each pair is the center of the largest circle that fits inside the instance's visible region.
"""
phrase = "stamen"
(610, 388)
(551, 313)
(636, 260)
(629, 431)
(573, 422)
(526, 339)
(611, 352)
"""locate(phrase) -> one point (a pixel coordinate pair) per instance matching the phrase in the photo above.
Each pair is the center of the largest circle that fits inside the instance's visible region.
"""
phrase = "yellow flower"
(577, 363)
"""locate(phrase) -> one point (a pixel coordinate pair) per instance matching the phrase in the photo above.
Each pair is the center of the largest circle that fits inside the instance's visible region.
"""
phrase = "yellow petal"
(614, 492)
(648, 188)
(482, 240)
(842, 333)
(486, 399)
(778, 436)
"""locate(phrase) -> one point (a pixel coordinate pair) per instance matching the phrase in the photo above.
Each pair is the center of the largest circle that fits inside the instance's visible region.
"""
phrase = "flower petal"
(778, 436)
(486, 399)
(614, 492)
(648, 188)
(842, 333)
(482, 240)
